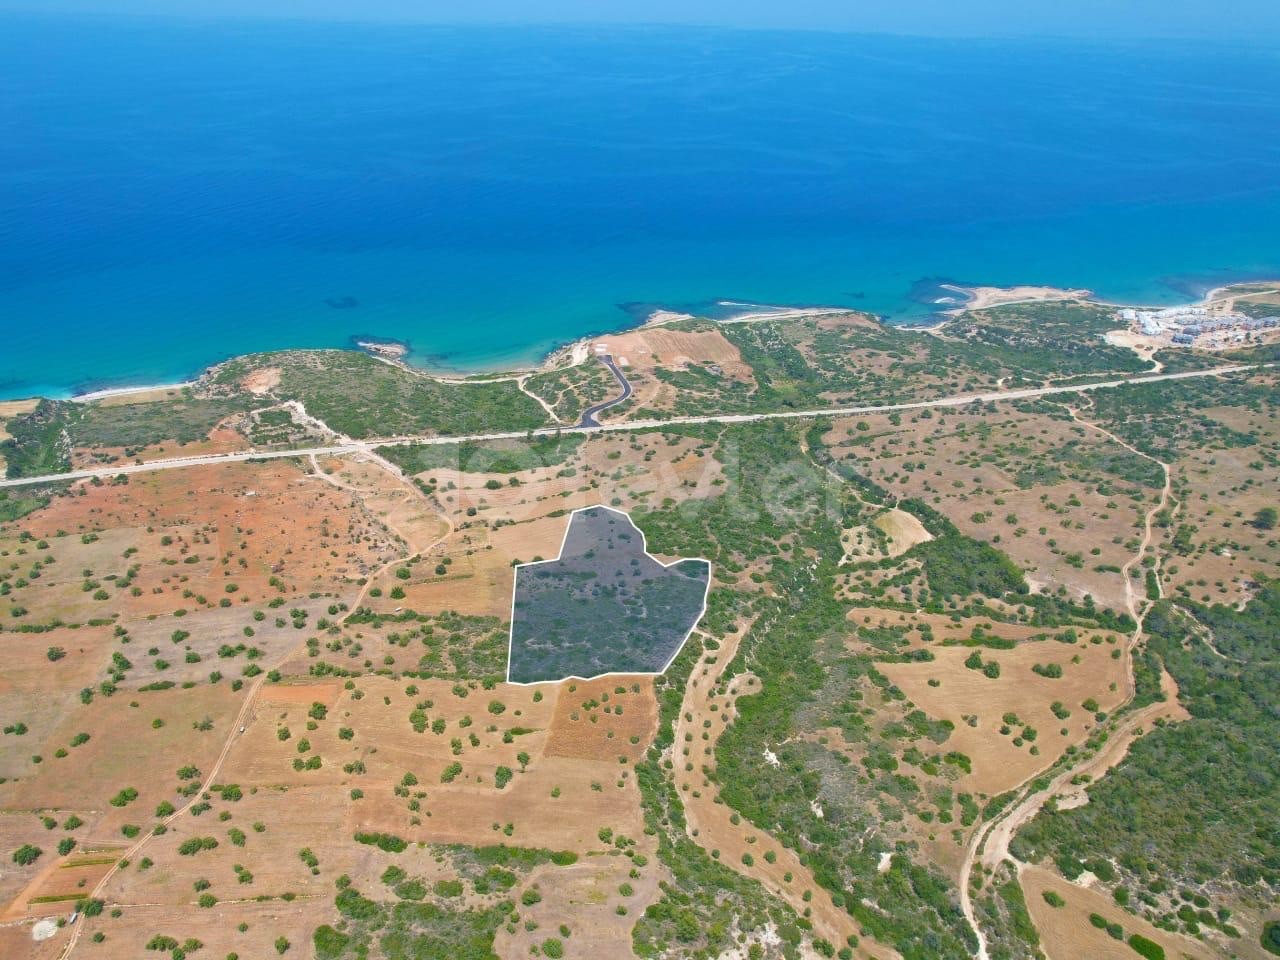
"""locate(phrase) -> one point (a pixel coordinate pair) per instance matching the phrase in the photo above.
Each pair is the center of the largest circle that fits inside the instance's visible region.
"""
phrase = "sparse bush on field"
(26, 855)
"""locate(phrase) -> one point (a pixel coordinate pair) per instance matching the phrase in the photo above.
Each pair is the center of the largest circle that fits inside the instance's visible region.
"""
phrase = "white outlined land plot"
(604, 605)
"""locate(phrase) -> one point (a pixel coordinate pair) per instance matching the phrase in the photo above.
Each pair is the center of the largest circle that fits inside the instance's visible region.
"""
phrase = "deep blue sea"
(173, 193)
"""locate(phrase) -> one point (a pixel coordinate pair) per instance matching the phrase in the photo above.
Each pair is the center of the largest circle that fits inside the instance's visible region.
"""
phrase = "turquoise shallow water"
(175, 193)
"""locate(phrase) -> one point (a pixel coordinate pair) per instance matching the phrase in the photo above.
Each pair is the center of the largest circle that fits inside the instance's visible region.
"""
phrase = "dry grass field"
(232, 692)
(1067, 933)
(1216, 553)
(222, 439)
(1028, 482)
(496, 524)
(236, 534)
(1001, 754)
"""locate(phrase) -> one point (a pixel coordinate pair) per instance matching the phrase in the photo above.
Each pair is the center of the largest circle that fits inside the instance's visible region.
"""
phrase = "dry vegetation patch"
(231, 533)
(1216, 551)
(603, 719)
(1061, 500)
(136, 742)
(706, 710)
(1067, 932)
(1001, 760)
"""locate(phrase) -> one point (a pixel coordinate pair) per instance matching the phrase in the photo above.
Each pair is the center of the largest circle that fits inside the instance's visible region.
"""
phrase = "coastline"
(110, 392)
(579, 350)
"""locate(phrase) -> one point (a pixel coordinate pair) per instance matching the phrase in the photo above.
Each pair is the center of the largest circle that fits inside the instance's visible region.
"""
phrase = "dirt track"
(711, 825)
(991, 841)
(368, 446)
(239, 725)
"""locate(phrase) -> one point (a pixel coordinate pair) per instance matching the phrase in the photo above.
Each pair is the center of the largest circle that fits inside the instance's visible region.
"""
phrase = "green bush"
(1147, 948)
(329, 943)
(26, 855)
(1271, 937)
(386, 842)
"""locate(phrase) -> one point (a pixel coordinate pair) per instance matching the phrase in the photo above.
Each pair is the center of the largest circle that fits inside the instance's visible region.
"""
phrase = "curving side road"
(589, 420)
(369, 446)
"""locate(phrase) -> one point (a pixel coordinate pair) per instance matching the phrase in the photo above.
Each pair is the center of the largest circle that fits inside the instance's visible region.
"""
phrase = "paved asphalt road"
(589, 415)
(367, 446)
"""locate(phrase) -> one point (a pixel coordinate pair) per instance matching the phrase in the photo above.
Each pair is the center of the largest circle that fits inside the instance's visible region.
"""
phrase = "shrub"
(1271, 937)
(1053, 900)
(1147, 948)
(193, 845)
(446, 888)
(329, 942)
(125, 796)
(26, 855)
(387, 842)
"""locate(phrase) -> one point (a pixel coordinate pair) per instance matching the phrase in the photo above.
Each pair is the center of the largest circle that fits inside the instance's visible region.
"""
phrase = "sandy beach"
(133, 394)
(982, 298)
(782, 313)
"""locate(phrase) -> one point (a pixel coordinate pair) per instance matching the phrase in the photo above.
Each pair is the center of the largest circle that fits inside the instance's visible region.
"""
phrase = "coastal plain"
(989, 678)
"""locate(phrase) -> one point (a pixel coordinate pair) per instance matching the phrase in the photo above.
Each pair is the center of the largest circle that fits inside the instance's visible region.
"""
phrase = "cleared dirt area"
(16, 942)
(1001, 760)
(603, 719)
(262, 381)
(904, 531)
(642, 352)
(206, 537)
(55, 889)
(1067, 934)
